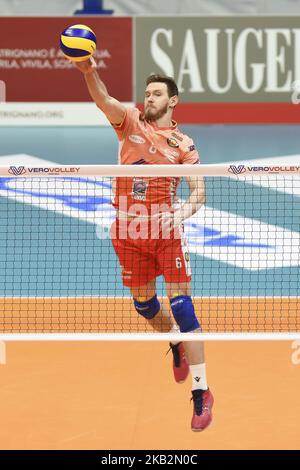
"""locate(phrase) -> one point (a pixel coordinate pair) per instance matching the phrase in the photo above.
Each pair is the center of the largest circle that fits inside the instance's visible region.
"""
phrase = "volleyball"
(78, 42)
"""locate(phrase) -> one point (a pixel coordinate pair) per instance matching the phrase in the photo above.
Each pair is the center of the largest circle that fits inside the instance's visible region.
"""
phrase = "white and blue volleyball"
(78, 42)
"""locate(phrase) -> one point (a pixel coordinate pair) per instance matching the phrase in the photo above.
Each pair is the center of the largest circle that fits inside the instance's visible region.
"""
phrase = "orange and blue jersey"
(142, 143)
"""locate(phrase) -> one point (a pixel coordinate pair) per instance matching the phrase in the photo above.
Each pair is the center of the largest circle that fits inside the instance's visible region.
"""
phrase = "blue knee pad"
(184, 313)
(149, 308)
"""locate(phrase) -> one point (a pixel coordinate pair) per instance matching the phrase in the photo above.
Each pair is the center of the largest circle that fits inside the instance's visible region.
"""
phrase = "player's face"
(156, 102)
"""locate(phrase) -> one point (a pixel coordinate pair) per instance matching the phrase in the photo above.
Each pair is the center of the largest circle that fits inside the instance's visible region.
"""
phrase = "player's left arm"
(196, 199)
(197, 192)
(196, 186)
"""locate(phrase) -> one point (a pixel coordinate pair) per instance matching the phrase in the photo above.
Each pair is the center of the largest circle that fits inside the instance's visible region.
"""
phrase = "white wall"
(182, 7)
(154, 7)
(39, 7)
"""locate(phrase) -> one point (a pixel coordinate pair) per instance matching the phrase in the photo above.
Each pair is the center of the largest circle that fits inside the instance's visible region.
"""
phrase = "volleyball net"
(60, 274)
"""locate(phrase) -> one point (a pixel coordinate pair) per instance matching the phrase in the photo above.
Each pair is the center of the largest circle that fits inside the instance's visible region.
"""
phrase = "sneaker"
(180, 366)
(203, 403)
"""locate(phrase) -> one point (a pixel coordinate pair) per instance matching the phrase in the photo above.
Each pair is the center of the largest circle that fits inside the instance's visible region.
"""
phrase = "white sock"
(174, 329)
(198, 372)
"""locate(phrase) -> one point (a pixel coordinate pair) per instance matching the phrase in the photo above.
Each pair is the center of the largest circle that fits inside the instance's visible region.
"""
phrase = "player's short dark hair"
(169, 81)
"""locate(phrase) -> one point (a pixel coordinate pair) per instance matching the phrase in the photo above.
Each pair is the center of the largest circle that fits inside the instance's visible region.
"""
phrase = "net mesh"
(60, 272)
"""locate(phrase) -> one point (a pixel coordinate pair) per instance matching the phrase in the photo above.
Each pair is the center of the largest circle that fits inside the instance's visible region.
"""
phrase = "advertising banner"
(34, 70)
(2, 92)
(228, 69)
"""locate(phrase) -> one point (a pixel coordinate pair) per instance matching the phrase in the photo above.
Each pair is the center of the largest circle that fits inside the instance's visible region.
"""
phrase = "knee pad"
(184, 313)
(149, 308)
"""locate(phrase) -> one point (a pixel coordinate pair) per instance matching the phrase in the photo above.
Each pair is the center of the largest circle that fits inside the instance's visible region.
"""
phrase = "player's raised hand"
(86, 66)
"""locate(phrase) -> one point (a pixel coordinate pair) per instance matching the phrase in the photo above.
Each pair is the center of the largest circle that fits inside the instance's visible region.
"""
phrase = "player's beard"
(152, 115)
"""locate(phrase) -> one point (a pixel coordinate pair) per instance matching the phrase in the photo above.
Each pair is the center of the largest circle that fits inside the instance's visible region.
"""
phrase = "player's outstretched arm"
(112, 108)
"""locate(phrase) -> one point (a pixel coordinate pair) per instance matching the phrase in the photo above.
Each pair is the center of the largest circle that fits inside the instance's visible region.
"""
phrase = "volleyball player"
(153, 137)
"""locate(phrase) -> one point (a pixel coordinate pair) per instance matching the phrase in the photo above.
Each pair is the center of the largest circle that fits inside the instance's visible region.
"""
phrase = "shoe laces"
(175, 350)
(197, 397)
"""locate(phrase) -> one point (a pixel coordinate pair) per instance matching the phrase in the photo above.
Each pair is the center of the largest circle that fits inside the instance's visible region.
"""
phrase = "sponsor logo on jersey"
(172, 142)
(152, 149)
(136, 139)
(177, 136)
(139, 189)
